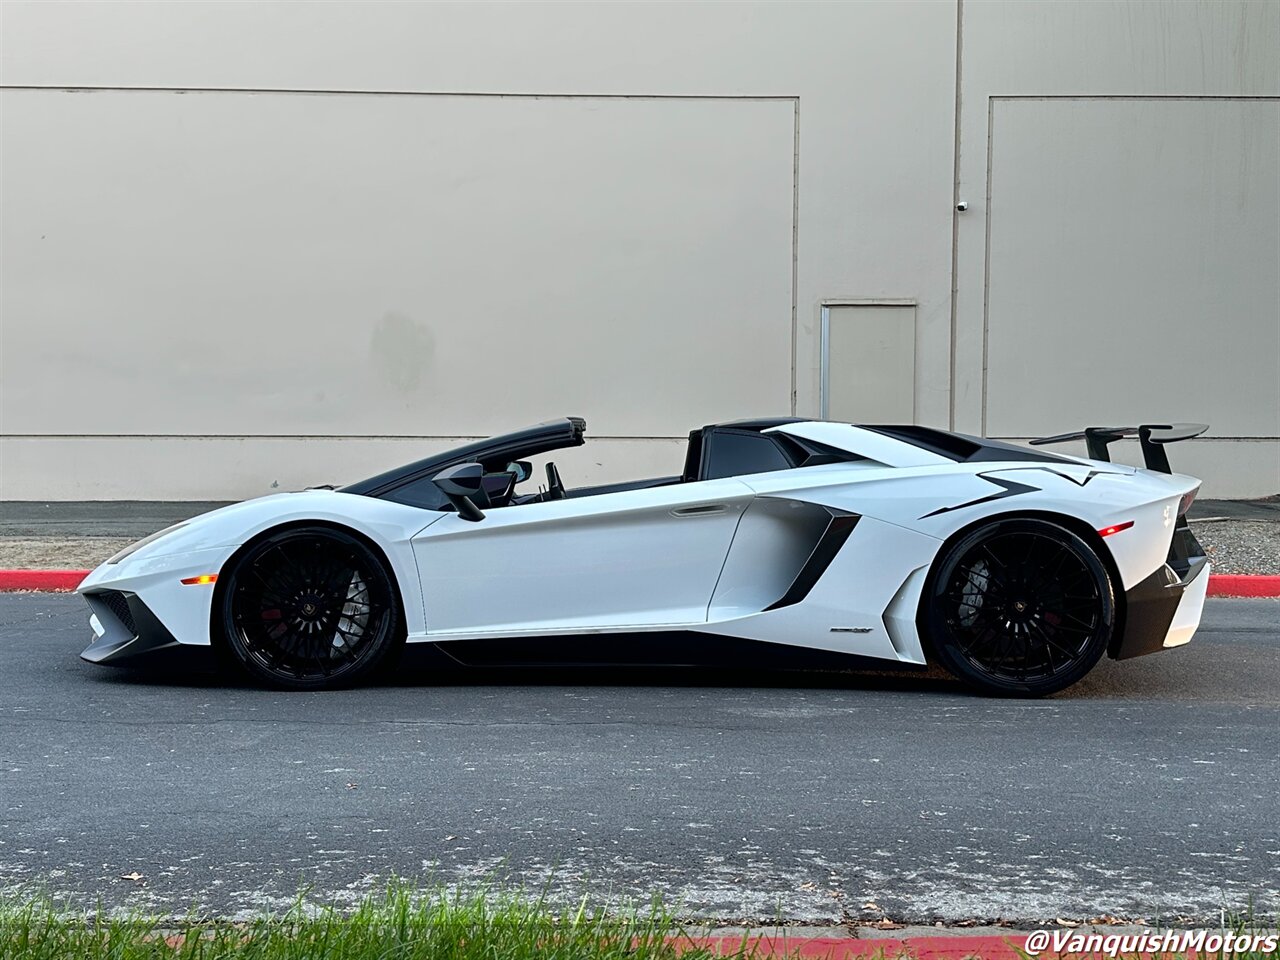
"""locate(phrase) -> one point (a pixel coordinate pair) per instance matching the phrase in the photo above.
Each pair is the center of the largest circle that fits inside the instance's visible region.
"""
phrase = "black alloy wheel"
(1019, 607)
(309, 608)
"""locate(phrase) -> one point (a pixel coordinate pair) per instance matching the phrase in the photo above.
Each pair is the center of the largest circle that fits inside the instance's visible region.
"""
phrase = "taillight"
(1187, 500)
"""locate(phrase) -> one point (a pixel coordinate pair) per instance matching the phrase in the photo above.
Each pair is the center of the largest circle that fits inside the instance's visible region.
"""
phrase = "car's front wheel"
(1019, 607)
(309, 608)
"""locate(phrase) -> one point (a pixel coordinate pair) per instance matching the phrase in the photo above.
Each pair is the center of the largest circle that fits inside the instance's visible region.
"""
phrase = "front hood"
(220, 527)
(233, 525)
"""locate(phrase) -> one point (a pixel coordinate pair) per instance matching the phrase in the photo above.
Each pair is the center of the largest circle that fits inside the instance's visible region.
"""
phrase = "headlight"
(133, 547)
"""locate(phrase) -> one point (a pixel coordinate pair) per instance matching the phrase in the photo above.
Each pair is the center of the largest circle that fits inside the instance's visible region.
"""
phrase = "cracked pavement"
(1149, 790)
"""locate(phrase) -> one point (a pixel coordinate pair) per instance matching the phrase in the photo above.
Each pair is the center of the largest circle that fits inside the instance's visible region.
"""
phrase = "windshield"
(412, 483)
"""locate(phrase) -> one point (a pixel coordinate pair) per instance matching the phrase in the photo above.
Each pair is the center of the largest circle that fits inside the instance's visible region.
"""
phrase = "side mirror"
(460, 483)
(523, 470)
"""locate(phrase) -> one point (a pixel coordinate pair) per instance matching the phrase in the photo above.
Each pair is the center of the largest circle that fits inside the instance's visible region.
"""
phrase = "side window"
(419, 493)
(423, 492)
(736, 454)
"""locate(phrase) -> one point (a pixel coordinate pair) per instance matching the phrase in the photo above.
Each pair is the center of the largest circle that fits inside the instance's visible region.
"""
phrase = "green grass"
(400, 924)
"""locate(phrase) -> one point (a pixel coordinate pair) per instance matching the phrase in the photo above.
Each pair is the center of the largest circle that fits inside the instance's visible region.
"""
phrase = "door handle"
(706, 510)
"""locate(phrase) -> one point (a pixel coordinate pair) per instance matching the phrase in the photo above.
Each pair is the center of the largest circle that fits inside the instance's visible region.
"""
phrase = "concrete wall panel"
(1132, 265)
(242, 264)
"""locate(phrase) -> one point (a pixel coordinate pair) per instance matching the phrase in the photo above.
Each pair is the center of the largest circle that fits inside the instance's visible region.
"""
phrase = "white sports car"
(784, 542)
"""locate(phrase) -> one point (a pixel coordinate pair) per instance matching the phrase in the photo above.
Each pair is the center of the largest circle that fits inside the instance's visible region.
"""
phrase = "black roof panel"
(961, 447)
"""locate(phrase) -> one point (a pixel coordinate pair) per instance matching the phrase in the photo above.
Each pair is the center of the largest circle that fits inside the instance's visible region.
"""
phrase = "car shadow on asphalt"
(1251, 673)
(202, 668)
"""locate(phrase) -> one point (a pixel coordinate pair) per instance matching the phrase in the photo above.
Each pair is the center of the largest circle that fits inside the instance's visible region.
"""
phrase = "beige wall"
(479, 215)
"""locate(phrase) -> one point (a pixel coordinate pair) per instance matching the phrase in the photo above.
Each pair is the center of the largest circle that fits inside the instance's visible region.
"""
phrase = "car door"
(630, 558)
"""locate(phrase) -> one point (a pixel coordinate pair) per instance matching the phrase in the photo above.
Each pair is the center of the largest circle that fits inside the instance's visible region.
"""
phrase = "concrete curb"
(1243, 585)
(1220, 584)
(851, 948)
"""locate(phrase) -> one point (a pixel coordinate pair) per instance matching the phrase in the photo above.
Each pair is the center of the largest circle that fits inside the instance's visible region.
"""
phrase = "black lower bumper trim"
(666, 648)
(1149, 610)
(130, 633)
(1151, 604)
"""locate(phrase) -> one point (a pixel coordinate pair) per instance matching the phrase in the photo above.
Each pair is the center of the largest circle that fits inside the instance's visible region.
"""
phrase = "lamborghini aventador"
(790, 542)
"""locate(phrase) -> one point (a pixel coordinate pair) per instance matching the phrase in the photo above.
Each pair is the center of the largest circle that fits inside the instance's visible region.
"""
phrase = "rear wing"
(1152, 436)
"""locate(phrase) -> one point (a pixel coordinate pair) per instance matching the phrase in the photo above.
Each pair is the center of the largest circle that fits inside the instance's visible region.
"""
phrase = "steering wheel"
(555, 489)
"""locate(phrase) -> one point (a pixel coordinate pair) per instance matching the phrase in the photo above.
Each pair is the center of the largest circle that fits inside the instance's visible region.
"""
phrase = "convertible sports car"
(784, 542)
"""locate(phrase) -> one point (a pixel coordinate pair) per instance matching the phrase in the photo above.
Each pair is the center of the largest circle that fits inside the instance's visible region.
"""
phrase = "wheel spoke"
(1048, 649)
(1051, 643)
(1000, 571)
(1084, 624)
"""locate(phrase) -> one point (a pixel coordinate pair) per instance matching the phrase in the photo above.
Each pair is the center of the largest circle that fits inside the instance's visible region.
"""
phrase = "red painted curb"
(1220, 584)
(977, 947)
(1243, 585)
(850, 948)
(41, 579)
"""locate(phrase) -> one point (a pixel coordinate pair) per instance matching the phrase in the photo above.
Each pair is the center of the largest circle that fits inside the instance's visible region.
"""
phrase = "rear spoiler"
(1152, 436)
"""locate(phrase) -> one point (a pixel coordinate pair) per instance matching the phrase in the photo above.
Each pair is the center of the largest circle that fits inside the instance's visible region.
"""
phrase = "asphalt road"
(1151, 789)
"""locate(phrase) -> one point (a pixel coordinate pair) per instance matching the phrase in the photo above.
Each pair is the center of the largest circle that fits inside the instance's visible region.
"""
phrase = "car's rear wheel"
(1019, 607)
(309, 608)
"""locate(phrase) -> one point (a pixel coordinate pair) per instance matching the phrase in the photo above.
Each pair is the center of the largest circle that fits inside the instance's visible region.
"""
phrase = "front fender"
(204, 544)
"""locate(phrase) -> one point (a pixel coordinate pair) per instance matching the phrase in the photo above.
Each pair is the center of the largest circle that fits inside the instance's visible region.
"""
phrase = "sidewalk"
(96, 518)
(1241, 536)
(79, 535)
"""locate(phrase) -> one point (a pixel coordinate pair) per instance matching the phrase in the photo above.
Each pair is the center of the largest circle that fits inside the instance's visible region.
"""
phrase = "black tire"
(1018, 608)
(309, 608)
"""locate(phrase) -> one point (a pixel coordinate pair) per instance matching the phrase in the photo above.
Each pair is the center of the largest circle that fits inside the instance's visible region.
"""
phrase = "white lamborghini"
(783, 542)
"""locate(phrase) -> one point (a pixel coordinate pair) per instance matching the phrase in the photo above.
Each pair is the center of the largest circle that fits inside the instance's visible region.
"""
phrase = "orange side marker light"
(202, 579)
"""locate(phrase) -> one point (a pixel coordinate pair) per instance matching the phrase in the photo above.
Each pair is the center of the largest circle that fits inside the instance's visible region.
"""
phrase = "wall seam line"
(955, 222)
